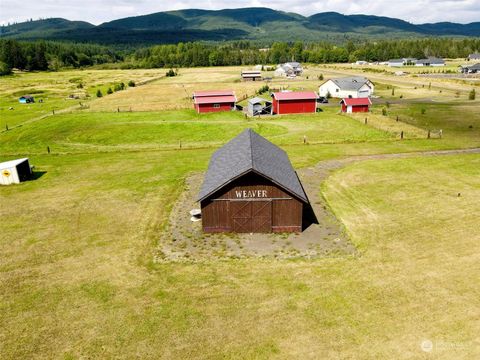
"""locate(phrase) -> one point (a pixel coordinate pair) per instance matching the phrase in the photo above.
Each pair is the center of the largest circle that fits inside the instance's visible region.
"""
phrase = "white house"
(401, 62)
(396, 62)
(431, 61)
(348, 87)
(14, 171)
(290, 69)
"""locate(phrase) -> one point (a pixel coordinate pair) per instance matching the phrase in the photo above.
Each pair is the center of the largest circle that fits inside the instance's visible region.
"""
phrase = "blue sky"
(98, 11)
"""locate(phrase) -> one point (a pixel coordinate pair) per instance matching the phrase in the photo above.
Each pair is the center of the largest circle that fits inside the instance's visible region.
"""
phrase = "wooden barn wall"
(286, 211)
(295, 106)
(204, 108)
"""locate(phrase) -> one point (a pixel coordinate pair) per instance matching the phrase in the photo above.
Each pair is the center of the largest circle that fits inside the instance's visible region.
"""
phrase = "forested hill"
(261, 24)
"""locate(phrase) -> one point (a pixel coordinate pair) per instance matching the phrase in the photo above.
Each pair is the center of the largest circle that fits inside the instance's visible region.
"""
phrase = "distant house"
(361, 62)
(347, 87)
(431, 61)
(475, 56)
(291, 69)
(350, 105)
(26, 99)
(473, 69)
(396, 62)
(213, 101)
(401, 62)
(251, 75)
(294, 102)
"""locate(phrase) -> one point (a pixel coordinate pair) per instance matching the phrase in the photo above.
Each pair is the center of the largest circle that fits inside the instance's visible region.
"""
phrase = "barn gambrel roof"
(250, 152)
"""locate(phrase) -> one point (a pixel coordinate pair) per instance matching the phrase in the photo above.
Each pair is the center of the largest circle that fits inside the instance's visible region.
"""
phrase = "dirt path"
(184, 239)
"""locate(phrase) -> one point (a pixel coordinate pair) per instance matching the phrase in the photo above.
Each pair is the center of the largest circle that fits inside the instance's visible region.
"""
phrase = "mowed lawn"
(80, 132)
(78, 277)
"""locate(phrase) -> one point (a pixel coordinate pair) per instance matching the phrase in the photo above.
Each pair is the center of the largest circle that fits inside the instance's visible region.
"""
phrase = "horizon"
(117, 12)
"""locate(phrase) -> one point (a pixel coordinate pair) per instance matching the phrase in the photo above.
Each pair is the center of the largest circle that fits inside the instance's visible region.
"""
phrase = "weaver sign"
(250, 194)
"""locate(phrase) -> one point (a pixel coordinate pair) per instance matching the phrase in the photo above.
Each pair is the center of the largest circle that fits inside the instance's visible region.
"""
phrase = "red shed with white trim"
(294, 102)
(350, 105)
(212, 101)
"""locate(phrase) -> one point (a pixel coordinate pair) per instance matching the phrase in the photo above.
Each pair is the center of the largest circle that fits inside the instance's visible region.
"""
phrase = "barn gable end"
(251, 186)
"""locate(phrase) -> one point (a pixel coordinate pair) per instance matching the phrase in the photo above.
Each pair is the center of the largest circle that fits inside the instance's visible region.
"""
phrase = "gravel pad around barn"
(185, 240)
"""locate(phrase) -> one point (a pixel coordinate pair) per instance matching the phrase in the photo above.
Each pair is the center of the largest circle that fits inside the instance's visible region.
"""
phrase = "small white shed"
(15, 171)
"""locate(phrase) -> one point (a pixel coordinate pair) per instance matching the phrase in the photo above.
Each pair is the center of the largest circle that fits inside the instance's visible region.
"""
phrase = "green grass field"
(79, 276)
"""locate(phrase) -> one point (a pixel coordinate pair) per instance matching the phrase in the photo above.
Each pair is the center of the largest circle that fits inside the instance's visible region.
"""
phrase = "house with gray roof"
(347, 87)
(475, 56)
(431, 61)
(470, 69)
(289, 69)
(251, 186)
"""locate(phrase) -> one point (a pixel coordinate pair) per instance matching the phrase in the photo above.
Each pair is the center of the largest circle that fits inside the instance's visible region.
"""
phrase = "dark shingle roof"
(250, 152)
(351, 83)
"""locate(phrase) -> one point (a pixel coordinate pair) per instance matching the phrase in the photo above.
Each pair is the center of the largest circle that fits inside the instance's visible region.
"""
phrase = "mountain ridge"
(232, 24)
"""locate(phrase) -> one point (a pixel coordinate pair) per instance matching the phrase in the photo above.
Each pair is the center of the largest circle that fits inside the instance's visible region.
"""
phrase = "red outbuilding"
(350, 105)
(294, 102)
(211, 101)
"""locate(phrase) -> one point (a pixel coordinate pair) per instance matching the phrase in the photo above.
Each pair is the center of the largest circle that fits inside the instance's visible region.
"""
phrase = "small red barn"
(294, 102)
(211, 101)
(350, 105)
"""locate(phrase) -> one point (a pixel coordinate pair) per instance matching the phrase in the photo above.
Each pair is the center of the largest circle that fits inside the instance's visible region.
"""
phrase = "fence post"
(401, 135)
(428, 136)
(366, 121)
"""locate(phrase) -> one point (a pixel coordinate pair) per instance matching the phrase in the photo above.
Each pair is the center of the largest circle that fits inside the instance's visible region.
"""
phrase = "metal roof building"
(251, 186)
(294, 102)
(212, 101)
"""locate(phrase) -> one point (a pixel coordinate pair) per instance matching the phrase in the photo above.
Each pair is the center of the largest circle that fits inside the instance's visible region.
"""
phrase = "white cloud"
(98, 11)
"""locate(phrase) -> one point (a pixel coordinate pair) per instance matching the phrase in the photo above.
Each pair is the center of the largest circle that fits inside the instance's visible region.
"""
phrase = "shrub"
(109, 91)
(384, 111)
(171, 73)
(320, 77)
(99, 93)
(423, 111)
(131, 83)
(472, 95)
(263, 89)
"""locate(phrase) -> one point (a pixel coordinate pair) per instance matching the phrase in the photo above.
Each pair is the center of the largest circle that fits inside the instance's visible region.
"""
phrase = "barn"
(251, 187)
(249, 75)
(294, 102)
(15, 171)
(212, 101)
(350, 105)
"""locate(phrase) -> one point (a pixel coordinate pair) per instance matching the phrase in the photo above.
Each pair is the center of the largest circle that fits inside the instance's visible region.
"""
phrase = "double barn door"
(251, 216)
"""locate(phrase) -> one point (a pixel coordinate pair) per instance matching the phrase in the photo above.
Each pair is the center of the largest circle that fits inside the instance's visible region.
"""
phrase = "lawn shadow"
(36, 175)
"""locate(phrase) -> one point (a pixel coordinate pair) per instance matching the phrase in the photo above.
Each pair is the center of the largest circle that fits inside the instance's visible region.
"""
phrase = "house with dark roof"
(212, 101)
(431, 61)
(347, 87)
(251, 187)
(475, 56)
(470, 69)
(289, 69)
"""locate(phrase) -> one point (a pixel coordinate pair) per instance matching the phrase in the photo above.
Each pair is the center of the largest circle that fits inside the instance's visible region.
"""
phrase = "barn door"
(252, 216)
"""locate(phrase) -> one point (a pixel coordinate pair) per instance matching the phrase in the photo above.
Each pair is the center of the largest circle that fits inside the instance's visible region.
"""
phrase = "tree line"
(47, 55)
(51, 55)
